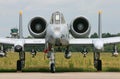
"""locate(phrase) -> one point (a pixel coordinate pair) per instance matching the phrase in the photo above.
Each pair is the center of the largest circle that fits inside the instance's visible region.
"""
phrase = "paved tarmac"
(66, 75)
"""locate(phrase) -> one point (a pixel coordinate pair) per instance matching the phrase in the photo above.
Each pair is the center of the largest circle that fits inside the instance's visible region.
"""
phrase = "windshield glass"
(57, 18)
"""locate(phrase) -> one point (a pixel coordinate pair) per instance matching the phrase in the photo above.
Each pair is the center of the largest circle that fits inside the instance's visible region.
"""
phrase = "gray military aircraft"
(55, 34)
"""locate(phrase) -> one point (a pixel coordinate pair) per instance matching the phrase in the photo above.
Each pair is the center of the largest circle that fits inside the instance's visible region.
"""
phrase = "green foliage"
(104, 35)
(94, 35)
(71, 65)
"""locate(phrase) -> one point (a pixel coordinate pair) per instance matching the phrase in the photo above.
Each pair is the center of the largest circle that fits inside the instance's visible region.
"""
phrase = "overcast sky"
(9, 13)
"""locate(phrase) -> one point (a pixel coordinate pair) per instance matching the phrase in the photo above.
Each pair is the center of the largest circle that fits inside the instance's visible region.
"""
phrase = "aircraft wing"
(81, 41)
(110, 40)
(34, 41)
(7, 41)
(96, 42)
(13, 41)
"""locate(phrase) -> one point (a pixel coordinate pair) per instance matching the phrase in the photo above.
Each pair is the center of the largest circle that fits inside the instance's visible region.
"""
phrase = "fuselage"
(57, 31)
(57, 34)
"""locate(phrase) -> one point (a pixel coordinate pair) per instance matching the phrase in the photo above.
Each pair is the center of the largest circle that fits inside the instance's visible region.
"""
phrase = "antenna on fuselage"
(99, 24)
(20, 24)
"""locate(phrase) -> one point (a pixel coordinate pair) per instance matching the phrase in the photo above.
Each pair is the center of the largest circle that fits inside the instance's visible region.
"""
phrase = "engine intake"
(37, 27)
(80, 27)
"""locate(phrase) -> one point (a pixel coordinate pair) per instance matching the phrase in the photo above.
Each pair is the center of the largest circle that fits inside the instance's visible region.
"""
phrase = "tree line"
(104, 35)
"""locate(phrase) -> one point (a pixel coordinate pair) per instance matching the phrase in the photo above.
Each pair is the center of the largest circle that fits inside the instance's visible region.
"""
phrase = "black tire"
(19, 65)
(99, 66)
(52, 68)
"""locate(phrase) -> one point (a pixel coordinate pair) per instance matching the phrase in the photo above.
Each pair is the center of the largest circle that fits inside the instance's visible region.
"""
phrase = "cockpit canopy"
(57, 18)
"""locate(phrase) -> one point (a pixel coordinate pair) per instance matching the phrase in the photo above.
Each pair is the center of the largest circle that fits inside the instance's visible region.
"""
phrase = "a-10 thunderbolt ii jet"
(56, 34)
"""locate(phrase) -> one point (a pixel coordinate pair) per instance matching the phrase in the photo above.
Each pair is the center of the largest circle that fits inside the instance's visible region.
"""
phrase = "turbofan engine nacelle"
(80, 27)
(37, 27)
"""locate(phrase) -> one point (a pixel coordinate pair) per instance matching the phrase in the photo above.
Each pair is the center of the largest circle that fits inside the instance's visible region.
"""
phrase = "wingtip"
(100, 11)
(21, 12)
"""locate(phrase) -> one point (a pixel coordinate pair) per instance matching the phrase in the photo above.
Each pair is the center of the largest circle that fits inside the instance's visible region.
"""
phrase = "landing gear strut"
(21, 61)
(97, 61)
(52, 60)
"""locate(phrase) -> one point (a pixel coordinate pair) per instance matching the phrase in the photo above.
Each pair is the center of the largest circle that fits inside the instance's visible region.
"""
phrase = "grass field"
(77, 63)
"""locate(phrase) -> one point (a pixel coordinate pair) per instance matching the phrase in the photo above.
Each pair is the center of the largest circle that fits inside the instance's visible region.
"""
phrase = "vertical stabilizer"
(99, 24)
(20, 25)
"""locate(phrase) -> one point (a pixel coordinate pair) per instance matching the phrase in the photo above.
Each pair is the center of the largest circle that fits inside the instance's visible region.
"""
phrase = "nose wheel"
(52, 67)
